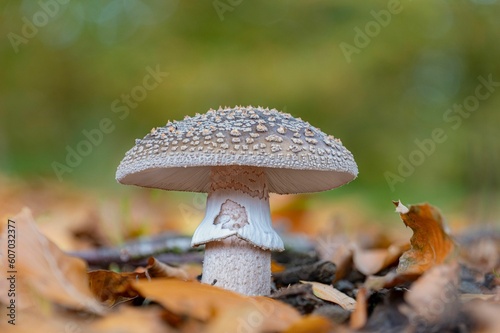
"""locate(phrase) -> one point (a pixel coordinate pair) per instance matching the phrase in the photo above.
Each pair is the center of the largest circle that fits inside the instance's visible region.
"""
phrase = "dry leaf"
(433, 297)
(481, 250)
(276, 267)
(257, 314)
(329, 293)
(311, 323)
(390, 280)
(48, 271)
(360, 314)
(204, 302)
(470, 297)
(485, 315)
(129, 319)
(158, 269)
(112, 288)
(372, 261)
(337, 249)
(47, 319)
(197, 300)
(430, 244)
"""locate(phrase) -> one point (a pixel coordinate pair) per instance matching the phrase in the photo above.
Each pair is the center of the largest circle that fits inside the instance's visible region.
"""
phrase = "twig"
(177, 247)
(168, 247)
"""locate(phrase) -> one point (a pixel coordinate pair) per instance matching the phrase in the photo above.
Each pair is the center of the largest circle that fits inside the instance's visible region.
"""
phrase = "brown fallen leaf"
(257, 314)
(311, 323)
(129, 319)
(433, 298)
(372, 261)
(43, 318)
(480, 249)
(47, 271)
(158, 269)
(470, 297)
(430, 244)
(112, 288)
(360, 314)
(337, 249)
(209, 303)
(276, 267)
(329, 293)
(485, 315)
(389, 280)
(188, 298)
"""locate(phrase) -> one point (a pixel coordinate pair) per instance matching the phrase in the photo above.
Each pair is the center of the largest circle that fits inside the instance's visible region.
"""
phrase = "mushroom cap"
(297, 157)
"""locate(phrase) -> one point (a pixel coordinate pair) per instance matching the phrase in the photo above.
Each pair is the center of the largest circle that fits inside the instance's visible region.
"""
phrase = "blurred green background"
(379, 75)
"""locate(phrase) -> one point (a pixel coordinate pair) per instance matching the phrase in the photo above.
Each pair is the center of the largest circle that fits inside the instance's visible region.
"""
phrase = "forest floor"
(80, 261)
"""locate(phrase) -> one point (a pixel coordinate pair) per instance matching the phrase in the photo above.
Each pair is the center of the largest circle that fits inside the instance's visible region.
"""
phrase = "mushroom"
(238, 156)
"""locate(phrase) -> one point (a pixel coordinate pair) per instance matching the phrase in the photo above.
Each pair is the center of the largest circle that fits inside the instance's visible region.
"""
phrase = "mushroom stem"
(237, 231)
(237, 265)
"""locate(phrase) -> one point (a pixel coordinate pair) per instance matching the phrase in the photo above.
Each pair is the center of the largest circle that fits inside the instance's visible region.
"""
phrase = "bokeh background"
(378, 74)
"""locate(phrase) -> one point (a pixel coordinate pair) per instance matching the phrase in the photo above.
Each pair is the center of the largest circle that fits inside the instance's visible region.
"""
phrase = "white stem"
(237, 265)
(237, 231)
(238, 204)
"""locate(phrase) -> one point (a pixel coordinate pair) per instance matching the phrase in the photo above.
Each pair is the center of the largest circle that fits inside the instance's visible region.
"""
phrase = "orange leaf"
(360, 314)
(156, 268)
(311, 323)
(127, 319)
(276, 267)
(197, 300)
(47, 270)
(430, 244)
(112, 288)
(257, 314)
(209, 303)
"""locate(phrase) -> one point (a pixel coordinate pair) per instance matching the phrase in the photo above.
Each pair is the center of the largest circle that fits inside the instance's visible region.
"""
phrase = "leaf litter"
(432, 282)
